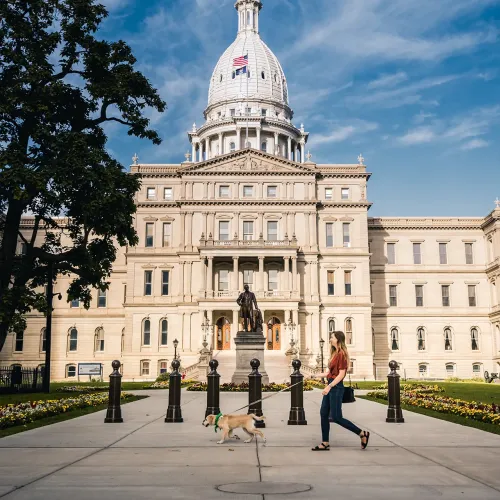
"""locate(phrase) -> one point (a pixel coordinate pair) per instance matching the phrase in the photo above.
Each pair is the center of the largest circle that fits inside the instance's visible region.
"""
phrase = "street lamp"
(176, 343)
(322, 345)
(206, 326)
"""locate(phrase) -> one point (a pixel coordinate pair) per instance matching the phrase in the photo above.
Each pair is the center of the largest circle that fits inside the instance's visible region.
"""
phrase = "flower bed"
(24, 413)
(201, 387)
(83, 389)
(165, 385)
(419, 388)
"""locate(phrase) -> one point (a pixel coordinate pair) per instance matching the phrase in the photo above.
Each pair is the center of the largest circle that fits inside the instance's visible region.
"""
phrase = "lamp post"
(176, 343)
(206, 326)
(322, 345)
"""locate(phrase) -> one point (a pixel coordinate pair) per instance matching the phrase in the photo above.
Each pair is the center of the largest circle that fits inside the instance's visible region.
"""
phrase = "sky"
(412, 85)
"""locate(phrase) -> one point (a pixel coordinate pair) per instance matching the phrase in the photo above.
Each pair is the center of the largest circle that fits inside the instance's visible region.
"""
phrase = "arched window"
(162, 366)
(448, 341)
(99, 340)
(43, 340)
(70, 371)
(146, 332)
(474, 339)
(164, 332)
(19, 342)
(264, 146)
(450, 369)
(348, 331)
(232, 147)
(394, 339)
(73, 339)
(331, 327)
(423, 370)
(421, 339)
(263, 75)
(145, 367)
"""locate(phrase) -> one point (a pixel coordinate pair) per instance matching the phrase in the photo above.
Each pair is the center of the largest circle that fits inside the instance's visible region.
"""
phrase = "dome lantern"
(248, 15)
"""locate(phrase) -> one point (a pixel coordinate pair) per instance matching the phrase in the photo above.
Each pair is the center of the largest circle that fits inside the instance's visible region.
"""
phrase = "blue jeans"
(331, 406)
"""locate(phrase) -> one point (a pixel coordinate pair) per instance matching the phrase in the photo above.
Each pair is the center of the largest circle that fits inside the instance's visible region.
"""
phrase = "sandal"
(321, 447)
(366, 435)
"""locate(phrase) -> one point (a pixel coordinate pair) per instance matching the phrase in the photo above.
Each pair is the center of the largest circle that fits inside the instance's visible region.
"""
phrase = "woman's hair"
(341, 346)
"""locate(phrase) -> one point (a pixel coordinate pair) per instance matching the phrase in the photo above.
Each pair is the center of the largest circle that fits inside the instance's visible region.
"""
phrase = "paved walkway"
(144, 458)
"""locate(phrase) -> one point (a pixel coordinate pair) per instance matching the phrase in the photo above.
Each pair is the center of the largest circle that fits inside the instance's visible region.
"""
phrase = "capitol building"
(250, 206)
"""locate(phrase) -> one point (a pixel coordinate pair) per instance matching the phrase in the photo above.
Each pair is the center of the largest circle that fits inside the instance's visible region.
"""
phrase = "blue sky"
(413, 85)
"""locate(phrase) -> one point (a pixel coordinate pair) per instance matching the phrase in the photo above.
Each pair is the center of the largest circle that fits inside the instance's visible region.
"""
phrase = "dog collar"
(216, 425)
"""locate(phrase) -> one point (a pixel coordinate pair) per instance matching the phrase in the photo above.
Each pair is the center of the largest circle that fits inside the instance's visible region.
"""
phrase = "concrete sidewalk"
(145, 458)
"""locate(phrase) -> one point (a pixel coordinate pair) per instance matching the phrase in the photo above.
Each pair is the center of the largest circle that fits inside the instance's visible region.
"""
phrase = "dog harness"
(216, 425)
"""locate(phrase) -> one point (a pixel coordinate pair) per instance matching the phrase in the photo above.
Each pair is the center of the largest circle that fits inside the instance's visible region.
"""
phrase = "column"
(295, 319)
(238, 138)
(276, 142)
(293, 222)
(237, 224)
(312, 193)
(205, 224)
(205, 190)
(261, 190)
(211, 226)
(307, 229)
(210, 276)
(221, 145)
(183, 190)
(261, 274)
(183, 230)
(189, 229)
(190, 190)
(314, 279)
(212, 190)
(200, 151)
(287, 274)
(193, 152)
(189, 273)
(181, 280)
(312, 216)
(295, 152)
(236, 322)
(259, 146)
(235, 273)
(302, 151)
(289, 152)
(203, 278)
(261, 225)
(236, 192)
(289, 216)
(207, 147)
(295, 288)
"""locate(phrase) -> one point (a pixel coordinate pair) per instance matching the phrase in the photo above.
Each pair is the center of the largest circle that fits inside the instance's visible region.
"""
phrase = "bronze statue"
(247, 303)
(259, 321)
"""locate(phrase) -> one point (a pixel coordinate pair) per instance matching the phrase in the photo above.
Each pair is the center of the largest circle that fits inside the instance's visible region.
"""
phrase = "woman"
(331, 405)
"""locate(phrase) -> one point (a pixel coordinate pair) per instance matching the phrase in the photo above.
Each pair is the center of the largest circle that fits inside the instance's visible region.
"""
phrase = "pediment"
(248, 161)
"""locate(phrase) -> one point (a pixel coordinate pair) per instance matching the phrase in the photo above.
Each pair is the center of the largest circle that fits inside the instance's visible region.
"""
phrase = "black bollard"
(394, 412)
(174, 414)
(255, 392)
(213, 390)
(114, 413)
(297, 413)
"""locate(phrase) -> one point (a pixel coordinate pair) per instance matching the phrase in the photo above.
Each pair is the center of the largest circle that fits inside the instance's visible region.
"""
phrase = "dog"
(227, 423)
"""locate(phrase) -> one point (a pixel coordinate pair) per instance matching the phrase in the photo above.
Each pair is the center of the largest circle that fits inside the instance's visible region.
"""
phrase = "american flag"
(240, 61)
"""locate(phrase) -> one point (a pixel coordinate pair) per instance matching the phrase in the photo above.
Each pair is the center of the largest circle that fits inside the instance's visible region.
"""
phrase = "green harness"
(216, 425)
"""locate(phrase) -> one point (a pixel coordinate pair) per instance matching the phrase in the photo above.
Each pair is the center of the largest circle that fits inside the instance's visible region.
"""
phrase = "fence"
(15, 379)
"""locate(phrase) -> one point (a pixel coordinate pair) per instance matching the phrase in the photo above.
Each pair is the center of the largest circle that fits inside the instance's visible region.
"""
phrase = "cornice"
(468, 223)
(345, 204)
(311, 203)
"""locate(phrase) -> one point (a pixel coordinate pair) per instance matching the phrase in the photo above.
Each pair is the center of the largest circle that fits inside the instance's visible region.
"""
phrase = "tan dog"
(227, 423)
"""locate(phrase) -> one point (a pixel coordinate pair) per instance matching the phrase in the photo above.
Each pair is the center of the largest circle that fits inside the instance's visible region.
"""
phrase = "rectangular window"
(472, 295)
(445, 295)
(264, 112)
(391, 253)
(272, 231)
(101, 298)
(419, 295)
(247, 191)
(346, 237)
(248, 230)
(168, 194)
(331, 282)
(148, 283)
(345, 193)
(224, 230)
(393, 295)
(167, 234)
(232, 112)
(443, 256)
(151, 193)
(417, 253)
(329, 234)
(247, 277)
(223, 280)
(150, 234)
(469, 259)
(223, 191)
(19, 342)
(248, 111)
(75, 303)
(165, 279)
(145, 368)
(272, 191)
(328, 193)
(347, 282)
(273, 280)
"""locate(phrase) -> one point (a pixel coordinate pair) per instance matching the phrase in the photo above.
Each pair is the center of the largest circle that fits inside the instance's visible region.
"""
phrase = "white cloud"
(475, 144)
(388, 80)
(342, 133)
(113, 5)
(418, 136)
(422, 116)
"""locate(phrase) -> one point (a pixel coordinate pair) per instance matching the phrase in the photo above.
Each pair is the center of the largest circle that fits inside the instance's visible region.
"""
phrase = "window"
(19, 343)
(272, 191)
(421, 339)
(163, 367)
(248, 111)
(331, 327)
(224, 191)
(167, 234)
(232, 145)
(148, 283)
(264, 111)
(450, 369)
(75, 303)
(474, 339)
(469, 258)
(331, 282)
(443, 256)
(43, 340)
(329, 234)
(164, 332)
(223, 280)
(149, 235)
(472, 295)
(347, 282)
(101, 298)
(393, 295)
(445, 295)
(24, 248)
(99, 340)
(247, 230)
(272, 230)
(448, 341)
(346, 238)
(73, 339)
(476, 369)
(248, 277)
(344, 193)
(419, 295)
(328, 193)
(168, 193)
(232, 112)
(151, 193)
(146, 332)
(247, 191)
(348, 331)
(394, 339)
(70, 371)
(422, 370)
(165, 279)
(224, 230)
(145, 368)
(417, 253)
(272, 280)
(391, 253)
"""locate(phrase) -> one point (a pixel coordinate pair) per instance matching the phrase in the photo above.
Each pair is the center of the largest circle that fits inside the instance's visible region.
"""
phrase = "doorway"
(274, 334)
(223, 334)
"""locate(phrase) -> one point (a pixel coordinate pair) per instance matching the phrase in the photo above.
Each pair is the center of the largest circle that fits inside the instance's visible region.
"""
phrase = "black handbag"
(348, 394)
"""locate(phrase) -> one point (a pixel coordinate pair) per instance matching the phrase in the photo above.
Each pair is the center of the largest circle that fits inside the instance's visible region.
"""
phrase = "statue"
(259, 321)
(247, 303)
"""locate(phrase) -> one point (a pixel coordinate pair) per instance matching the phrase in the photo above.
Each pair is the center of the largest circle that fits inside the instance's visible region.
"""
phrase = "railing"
(17, 379)
(236, 243)
(275, 294)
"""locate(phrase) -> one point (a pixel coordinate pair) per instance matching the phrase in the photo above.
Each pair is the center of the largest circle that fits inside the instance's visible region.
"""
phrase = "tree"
(59, 85)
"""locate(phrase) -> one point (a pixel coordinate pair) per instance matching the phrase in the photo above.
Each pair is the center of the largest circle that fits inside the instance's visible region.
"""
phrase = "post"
(213, 390)
(255, 392)
(394, 412)
(297, 413)
(114, 413)
(48, 327)
(174, 414)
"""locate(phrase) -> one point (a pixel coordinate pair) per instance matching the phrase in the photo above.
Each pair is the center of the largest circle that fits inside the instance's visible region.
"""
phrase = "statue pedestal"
(249, 345)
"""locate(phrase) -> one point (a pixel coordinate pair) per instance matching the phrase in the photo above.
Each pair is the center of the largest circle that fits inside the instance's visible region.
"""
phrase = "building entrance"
(223, 334)
(274, 334)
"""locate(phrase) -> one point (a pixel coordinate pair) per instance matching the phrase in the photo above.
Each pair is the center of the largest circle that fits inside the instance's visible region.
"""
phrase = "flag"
(240, 61)
(241, 71)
